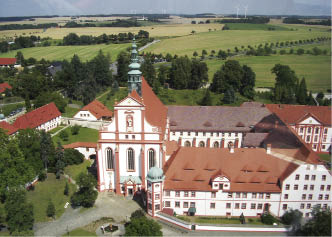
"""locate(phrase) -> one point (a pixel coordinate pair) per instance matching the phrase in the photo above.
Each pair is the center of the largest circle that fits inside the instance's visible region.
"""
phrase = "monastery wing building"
(195, 160)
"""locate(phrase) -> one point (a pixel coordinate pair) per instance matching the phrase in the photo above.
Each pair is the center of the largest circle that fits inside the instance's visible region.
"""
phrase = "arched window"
(131, 159)
(152, 160)
(187, 144)
(216, 145)
(201, 144)
(109, 159)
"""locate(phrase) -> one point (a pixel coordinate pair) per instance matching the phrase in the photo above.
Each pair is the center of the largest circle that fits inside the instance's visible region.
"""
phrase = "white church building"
(218, 161)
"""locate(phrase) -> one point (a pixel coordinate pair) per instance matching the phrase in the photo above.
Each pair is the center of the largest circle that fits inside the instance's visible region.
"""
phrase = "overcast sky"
(75, 7)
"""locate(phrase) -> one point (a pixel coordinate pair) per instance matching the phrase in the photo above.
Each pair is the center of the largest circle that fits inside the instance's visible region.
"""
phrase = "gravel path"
(119, 208)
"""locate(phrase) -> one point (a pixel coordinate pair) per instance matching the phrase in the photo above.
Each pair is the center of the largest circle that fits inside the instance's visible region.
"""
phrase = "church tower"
(134, 75)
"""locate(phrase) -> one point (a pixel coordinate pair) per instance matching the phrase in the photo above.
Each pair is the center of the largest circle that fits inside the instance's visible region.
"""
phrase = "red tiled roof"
(37, 117)
(292, 114)
(3, 87)
(171, 146)
(97, 109)
(80, 144)
(156, 111)
(10, 129)
(179, 178)
(7, 61)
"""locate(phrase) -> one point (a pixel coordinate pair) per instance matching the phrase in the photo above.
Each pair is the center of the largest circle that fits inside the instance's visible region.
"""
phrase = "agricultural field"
(315, 69)
(161, 30)
(229, 39)
(243, 26)
(85, 52)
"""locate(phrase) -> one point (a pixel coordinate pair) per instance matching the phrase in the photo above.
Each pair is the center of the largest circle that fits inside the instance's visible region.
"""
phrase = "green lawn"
(86, 52)
(326, 157)
(85, 135)
(315, 69)
(228, 39)
(56, 129)
(74, 170)
(50, 189)
(249, 26)
(70, 112)
(80, 232)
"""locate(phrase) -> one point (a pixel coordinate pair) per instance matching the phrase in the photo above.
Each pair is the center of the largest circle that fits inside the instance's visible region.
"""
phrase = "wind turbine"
(245, 11)
(237, 12)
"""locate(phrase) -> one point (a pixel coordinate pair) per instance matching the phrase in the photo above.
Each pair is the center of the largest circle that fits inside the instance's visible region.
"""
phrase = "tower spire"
(134, 74)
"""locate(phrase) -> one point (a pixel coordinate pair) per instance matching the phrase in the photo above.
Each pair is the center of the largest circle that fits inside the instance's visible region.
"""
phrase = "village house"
(95, 111)
(45, 118)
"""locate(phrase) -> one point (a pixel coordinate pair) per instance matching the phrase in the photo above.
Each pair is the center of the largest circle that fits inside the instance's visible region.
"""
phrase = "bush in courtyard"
(268, 219)
(64, 135)
(86, 195)
(50, 212)
(75, 130)
(73, 157)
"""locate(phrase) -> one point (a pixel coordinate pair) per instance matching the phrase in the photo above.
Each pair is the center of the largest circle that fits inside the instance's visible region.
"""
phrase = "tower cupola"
(134, 74)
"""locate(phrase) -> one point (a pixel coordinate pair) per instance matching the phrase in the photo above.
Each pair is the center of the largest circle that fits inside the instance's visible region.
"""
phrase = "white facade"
(206, 139)
(135, 147)
(221, 202)
(86, 115)
(307, 186)
(314, 133)
(51, 124)
(87, 151)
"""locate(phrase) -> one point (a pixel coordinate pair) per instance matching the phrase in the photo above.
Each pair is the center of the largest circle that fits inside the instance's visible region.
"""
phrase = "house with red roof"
(312, 123)
(207, 160)
(7, 62)
(46, 118)
(9, 129)
(95, 111)
(4, 86)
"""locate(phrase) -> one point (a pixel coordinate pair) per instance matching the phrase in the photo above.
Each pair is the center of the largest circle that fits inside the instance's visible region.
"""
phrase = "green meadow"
(315, 69)
(85, 52)
(228, 39)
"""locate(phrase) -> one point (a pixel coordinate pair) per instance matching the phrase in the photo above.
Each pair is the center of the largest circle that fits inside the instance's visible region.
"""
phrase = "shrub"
(73, 157)
(42, 176)
(66, 191)
(50, 212)
(63, 135)
(75, 129)
(86, 195)
(268, 219)
(137, 214)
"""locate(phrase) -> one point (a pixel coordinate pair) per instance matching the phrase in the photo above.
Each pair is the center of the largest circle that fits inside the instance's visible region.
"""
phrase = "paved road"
(119, 208)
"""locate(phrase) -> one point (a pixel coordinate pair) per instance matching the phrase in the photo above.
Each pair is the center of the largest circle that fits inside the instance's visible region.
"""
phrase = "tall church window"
(110, 159)
(201, 144)
(152, 160)
(187, 144)
(131, 159)
(216, 144)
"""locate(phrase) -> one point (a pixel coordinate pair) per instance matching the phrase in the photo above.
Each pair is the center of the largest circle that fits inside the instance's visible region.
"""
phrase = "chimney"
(231, 148)
(268, 149)
(276, 123)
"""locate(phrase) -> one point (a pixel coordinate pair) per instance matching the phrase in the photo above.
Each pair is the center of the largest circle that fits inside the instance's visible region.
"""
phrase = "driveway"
(119, 208)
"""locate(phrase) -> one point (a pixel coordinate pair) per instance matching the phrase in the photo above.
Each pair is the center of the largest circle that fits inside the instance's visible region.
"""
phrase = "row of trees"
(251, 19)
(27, 26)
(116, 23)
(74, 39)
(295, 20)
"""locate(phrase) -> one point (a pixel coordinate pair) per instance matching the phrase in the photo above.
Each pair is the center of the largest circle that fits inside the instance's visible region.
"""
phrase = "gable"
(309, 120)
(128, 102)
(221, 179)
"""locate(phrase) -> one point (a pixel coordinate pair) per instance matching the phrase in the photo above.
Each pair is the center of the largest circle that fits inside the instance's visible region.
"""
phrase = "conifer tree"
(302, 93)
